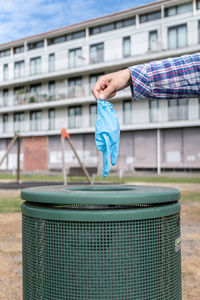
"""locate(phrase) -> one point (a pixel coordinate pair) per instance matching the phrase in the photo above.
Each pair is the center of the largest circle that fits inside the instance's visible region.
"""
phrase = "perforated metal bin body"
(101, 242)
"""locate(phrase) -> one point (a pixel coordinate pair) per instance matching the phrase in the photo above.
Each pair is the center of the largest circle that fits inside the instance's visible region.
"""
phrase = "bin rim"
(44, 212)
(101, 195)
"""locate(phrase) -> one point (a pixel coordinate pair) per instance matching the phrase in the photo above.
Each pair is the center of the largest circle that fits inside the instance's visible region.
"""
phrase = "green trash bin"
(101, 242)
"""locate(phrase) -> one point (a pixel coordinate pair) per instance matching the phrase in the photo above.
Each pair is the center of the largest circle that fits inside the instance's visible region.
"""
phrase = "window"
(35, 66)
(19, 121)
(19, 69)
(19, 49)
(75, 58)
(19, 95)
(198, 4)
(177, 36)
(127, 112)
(178, 9)
(153, 110)
(51, 88)
(93, 79)
(150, 16)
(75, 87)
(153, 40)
(35, 118)
(19, 90)
(5, 72)
(66, 37)
(112, 26)
(126, 46)
(93, 114)
(177, 109)
(35, 45)
(4, 53)
(5, 122)
(35, 92)
(51, 62)
(75, 117)
(51, 115)
(57, 40)
(5, 97)
(97, 53)
(35, 88)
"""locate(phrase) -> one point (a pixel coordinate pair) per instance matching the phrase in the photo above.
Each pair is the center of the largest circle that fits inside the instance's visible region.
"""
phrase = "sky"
(23, 18)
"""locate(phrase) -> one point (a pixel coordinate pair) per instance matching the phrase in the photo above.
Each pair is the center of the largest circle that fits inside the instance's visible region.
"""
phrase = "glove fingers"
(114, 155)
(115, 151)
(106, 157)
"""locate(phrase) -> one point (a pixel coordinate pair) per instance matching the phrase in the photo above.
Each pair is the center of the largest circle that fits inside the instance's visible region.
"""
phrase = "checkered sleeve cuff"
(140, 87)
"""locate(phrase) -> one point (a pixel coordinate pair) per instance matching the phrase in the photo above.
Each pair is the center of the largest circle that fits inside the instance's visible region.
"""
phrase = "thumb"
(109, 92)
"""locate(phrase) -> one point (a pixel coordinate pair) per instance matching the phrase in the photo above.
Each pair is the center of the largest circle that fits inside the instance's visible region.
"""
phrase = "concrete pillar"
(194, 7)
(137, 21)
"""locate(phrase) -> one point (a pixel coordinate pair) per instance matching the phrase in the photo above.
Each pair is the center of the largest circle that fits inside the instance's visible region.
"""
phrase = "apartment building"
(46, 82)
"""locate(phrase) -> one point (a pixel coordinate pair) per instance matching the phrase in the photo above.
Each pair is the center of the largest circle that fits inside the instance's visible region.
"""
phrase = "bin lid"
(98, 195)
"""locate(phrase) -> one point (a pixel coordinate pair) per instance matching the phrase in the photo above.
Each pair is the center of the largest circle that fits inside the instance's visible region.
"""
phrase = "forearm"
(177, 77)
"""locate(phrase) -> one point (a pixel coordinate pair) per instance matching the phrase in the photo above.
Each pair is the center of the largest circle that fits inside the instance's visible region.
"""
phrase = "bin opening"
(101, 188)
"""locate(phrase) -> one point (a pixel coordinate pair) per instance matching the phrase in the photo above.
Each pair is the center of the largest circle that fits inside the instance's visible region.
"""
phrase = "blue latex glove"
(107, 134)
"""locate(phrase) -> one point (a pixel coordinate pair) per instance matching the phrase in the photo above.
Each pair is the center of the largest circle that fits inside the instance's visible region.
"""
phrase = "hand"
(107, 85)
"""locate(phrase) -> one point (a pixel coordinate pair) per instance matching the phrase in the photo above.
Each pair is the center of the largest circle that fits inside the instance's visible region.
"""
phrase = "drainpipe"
(158, 152)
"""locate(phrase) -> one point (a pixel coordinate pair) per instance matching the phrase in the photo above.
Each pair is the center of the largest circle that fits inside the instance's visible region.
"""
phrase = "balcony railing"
(27, 98)
(86, 121)
(60, 65)
(34, 98)
(76, 91)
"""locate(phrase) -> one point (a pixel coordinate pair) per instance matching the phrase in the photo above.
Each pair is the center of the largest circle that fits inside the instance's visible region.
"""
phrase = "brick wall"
(35, 153)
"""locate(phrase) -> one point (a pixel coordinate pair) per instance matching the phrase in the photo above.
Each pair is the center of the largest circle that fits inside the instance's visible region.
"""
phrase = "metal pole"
(82, 166)
(63, 161)
(158, 151)
(18, 159)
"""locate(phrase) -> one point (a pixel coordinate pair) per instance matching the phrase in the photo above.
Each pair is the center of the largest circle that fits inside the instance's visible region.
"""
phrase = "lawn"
(10, 204)
(154, 178)
(34, 177)
(162, 179)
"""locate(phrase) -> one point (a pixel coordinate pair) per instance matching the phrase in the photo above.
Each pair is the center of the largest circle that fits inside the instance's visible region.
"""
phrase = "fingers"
(107, 85)
(96, 90)
(109, 92)
(112, 95)
(104, 88)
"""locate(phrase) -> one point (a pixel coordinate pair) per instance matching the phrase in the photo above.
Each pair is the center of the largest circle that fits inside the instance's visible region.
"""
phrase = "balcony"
(34, 98)
(76, 91)
(138, 117)
(97, 57)
(88, 64)
(29, 98)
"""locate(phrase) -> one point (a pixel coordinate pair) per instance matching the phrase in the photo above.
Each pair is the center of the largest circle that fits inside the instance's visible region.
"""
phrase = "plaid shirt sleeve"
(170, 78)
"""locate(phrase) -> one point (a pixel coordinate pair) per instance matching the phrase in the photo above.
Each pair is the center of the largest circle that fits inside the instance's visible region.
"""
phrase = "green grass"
(190, 196)
(150, 179)
(155, 178)
(13, 204)
(10, 204)
(32, 177)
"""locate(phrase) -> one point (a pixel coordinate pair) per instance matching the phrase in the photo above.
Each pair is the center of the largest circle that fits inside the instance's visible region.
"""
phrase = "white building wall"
(193, 111)
(113, 60)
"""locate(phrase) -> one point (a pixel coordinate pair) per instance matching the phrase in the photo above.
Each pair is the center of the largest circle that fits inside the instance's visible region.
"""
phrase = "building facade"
(46, 82)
